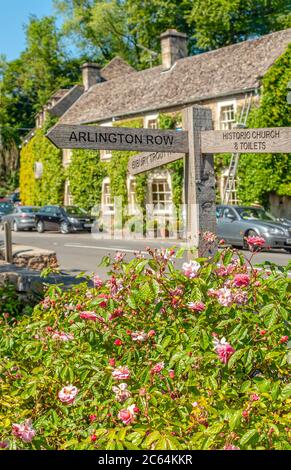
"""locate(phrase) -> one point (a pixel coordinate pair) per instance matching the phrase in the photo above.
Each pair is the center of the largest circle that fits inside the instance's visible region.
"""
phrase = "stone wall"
(32, 258)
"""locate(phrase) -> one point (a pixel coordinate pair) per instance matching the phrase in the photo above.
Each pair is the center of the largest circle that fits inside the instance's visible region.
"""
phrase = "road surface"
(81, 252)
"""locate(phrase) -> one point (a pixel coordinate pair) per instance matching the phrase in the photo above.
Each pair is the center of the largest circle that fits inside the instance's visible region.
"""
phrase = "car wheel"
(40, 226)
(64, 228)
(15, 226)
(288, 250)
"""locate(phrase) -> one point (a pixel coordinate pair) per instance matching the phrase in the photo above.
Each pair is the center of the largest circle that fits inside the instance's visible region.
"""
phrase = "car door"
(55, 218)
(44, 216)
(231, 226)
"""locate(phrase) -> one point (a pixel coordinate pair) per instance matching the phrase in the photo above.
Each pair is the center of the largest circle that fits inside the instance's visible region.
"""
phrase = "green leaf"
(235, 420)
(248, 436)
(152, 437)
(235, 357)
(286, 391)
(204, 340)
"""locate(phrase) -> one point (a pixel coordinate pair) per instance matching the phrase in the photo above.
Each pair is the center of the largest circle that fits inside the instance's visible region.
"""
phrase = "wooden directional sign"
(266, 140)
(149, 160)
(118, 138)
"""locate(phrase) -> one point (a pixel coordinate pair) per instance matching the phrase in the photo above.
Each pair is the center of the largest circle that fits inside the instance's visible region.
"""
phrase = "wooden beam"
(199, 180)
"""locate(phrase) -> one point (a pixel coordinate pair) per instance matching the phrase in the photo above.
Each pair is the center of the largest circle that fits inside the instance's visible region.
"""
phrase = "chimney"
(174, 47)
(91, 75)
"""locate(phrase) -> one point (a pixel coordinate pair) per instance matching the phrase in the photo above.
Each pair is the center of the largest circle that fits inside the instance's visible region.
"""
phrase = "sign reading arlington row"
(118, 138)
(165, 146)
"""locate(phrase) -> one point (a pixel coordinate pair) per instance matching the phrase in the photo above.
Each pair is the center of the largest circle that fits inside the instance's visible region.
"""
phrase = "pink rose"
(127, 415)
(24, 431)
(88, 316)
(191, 269)
(139, 336)
(121, 373)
(284, 339)
(230, 447)
(121, 392)
(157, 368)
(254, 242)
(223, 349)
(224, 297)
(196, 306)
(97, 281)
(151, 333)
(255, 397)
(68, 394)
(241, 280)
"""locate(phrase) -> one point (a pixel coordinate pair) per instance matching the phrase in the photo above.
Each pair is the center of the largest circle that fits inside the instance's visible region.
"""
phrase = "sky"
(13, 15)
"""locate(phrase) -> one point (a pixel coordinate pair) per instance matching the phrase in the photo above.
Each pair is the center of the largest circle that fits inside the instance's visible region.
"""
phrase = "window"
(161, 195)
(227, 117)
(107, 203)
(151, 121)
(152, 124)
(229, 213)
(132, 202)
(68, 194)
(106, 154)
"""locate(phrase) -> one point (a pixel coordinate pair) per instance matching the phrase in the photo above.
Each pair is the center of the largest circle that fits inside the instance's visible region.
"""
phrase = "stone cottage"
(223, 80)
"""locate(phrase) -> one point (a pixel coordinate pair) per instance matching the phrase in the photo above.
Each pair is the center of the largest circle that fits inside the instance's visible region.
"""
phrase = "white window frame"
(156, 176)
(132, 206)
(223, 104)
(105, 207)
(69, 201)
(150, 117)
(106, 155)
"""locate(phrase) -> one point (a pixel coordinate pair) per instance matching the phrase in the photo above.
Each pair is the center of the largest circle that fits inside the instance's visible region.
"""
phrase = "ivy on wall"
(48, 189)
(261, 174)
(86, 173)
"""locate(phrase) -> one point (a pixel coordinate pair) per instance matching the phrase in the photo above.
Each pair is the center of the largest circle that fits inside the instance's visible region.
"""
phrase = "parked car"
(65, 219)
(5, 208)
(234, 223)
(21, 218)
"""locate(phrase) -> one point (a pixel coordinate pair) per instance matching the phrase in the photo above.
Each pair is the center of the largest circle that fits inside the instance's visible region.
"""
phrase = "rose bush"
(156, 357)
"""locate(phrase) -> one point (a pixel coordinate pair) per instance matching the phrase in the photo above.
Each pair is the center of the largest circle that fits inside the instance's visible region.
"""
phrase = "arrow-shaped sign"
(149, 160)
(118, 138)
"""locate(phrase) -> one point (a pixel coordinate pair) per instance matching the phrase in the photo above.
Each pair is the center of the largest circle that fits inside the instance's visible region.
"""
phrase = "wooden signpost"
(118, 138)
(148, 161)
(268, 140)
(197, 144)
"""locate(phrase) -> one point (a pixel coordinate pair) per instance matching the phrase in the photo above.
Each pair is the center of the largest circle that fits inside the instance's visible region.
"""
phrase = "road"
(80, 252)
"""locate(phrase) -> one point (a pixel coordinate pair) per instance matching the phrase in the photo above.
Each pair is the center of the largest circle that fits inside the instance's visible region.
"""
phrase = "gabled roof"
(229, 70)
(66, 100)
(117, 67)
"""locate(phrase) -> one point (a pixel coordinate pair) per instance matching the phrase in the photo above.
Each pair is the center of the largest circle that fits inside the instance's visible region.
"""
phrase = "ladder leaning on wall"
(230, 190)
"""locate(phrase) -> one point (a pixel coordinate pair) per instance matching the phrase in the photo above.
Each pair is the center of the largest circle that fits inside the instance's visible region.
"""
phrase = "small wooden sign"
(149, 160)
(118, 138)
(266, 140)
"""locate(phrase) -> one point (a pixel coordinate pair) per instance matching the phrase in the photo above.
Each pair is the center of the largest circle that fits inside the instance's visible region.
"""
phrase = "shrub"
(156, 357)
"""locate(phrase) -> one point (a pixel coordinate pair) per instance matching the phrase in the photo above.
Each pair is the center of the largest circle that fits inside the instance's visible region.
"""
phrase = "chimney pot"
(174, 47)
(91, 75)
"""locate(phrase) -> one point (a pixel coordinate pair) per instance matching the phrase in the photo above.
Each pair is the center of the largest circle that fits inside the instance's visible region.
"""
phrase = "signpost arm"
(199, 180)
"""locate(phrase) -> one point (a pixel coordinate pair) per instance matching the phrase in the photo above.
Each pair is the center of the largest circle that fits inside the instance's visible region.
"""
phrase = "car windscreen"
(6, 208)
(74, 210)
(254, 214)
(29, 210)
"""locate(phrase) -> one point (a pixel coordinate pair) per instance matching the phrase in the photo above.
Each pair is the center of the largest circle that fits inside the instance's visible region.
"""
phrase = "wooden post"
(8, 242)
(199, 180)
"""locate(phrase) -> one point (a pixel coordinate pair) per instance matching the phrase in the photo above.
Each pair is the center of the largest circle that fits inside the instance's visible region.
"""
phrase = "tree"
(218, 23)
(27, 82)
(106, 28)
